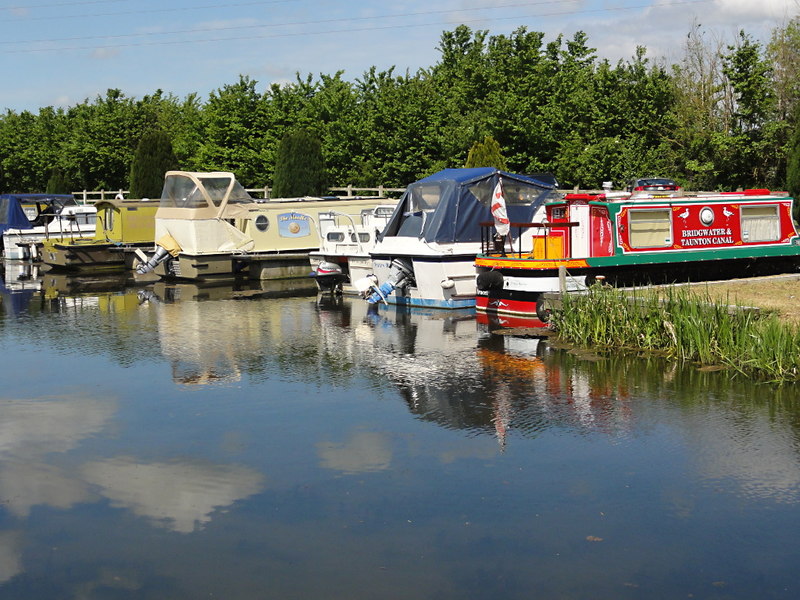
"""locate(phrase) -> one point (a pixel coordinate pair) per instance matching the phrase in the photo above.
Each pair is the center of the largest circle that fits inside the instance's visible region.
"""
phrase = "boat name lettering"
(293, 217)
(690, 233)
(707, 241)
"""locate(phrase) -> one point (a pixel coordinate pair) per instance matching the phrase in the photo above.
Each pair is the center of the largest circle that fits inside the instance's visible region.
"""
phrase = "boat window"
(181, 192)
(216, 188)
(108, 219)
(239, 195)
(760, 223)
(520, 194)
(335, 236)
(424, 197)
(363, 237)
(650, 228)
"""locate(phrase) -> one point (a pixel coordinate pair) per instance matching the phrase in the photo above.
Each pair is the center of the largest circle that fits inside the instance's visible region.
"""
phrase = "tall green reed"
(683, 324)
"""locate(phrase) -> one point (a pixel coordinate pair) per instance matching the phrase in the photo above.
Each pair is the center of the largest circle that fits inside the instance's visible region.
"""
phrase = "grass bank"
(685, 324)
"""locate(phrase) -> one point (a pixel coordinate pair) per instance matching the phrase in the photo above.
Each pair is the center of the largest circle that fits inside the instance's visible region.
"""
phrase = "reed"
(682, 324)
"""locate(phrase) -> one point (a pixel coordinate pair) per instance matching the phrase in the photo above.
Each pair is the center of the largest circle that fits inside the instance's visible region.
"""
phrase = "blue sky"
(61, 52)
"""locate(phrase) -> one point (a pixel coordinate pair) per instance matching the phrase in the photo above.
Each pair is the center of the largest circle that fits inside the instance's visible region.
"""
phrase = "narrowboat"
(207, 227)
(122, 227)
(636, 239)
(27, 220)
(345, 244)
(426, 253)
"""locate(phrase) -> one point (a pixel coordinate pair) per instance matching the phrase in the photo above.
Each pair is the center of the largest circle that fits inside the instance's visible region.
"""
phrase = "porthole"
(262, 223)
(707, 216)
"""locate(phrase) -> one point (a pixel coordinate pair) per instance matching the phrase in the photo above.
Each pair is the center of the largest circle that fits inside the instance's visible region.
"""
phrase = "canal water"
(177, 442)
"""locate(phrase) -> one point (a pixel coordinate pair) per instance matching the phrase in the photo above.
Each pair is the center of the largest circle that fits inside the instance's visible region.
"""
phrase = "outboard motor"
(400, 275)
(147, 267)
(329, 276)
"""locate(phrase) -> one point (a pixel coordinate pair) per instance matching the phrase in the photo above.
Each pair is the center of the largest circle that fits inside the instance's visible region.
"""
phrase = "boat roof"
(448, 206)
(655, 197)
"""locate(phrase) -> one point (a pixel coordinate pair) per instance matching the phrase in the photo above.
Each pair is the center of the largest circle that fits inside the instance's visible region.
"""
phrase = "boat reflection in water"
(340, 451)
(206, 333)
(451, 370)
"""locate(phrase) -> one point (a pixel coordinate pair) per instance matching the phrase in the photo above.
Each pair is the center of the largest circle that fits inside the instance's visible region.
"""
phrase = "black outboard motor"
(329, 276)
(400, 275)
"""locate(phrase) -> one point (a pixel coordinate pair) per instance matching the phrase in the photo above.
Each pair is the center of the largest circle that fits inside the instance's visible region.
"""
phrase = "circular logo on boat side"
(706, 215)
(262, 223)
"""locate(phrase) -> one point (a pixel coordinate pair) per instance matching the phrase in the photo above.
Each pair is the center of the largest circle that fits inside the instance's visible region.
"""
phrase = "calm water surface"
(172, 442)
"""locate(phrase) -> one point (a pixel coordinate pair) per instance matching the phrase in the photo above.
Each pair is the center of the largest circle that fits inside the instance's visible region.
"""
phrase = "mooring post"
(562, 279)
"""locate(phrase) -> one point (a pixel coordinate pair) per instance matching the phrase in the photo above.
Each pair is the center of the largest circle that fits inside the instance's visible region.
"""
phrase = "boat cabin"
(591, 225)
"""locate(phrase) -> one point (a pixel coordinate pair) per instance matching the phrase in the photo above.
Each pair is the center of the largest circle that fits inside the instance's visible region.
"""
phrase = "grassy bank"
(685, 324)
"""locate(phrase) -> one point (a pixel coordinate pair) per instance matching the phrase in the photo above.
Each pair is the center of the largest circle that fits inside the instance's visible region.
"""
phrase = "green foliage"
(793, 166)
(720, 118)
(486, 154)
(58, 182)
(153, 158)
(299, 166)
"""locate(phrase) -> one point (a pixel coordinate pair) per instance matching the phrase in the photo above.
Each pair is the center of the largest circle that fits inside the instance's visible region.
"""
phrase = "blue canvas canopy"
(12, 215)
(449, 206)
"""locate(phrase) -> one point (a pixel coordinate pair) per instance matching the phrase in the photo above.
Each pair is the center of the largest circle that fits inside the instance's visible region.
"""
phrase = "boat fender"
(448, 284)
(489, 280)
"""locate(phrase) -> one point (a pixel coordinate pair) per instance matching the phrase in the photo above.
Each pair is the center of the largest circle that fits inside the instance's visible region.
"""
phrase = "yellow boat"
(123, 226)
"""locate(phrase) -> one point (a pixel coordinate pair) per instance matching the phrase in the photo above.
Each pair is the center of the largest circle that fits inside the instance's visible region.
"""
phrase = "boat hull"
(440, 281)
(519, 290)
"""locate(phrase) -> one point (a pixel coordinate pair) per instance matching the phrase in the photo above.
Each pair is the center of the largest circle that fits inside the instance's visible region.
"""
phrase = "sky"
(60, 52)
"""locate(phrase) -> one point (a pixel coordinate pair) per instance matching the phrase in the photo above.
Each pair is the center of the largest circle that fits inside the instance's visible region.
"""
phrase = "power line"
(338, 31)
(57, 4)
(140, 12)
(293, 23)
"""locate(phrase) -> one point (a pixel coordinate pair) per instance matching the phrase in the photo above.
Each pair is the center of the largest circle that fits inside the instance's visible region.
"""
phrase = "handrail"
(489, 245)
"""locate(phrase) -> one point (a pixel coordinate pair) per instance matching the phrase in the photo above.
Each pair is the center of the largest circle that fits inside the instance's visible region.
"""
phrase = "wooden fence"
(350, 191)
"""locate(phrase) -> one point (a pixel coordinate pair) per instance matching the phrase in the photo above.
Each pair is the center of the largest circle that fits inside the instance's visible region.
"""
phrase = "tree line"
(722, 117)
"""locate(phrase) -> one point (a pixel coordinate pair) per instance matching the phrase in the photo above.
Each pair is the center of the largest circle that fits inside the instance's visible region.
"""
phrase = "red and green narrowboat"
(633, 240)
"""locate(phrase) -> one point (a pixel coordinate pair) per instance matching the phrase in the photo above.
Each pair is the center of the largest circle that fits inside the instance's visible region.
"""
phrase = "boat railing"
(511, 245)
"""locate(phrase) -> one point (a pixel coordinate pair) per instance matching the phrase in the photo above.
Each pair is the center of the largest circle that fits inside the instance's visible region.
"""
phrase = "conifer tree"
(57, 183)
(153, 158)
(486, 154)
(299, 166)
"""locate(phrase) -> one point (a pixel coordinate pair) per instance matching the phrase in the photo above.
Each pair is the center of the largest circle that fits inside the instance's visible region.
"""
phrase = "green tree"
(486, 154)
(234, 132)
(58, 182)
(153, 158)
(793, 165)
(299, 167)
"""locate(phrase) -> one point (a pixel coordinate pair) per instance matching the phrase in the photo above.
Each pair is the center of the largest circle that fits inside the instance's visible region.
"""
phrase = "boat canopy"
(14, 216)
(450, 205)
(199, 190)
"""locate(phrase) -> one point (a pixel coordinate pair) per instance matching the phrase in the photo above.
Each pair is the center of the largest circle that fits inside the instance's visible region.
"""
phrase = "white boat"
(345, 244)
(30, 219)
(425, 255)
(208, 227)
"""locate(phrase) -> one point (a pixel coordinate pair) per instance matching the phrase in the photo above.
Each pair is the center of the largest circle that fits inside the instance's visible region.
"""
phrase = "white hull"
(444, 274)
(23, 244)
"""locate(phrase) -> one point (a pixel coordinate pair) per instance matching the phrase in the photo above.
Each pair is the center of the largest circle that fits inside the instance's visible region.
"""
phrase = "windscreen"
(181, 192)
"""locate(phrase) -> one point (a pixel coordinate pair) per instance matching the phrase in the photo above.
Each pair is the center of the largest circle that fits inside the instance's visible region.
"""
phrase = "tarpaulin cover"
(12, 216)
(449, 205)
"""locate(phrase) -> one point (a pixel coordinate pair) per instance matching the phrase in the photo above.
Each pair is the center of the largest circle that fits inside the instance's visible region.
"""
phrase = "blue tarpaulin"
(12, 215)
(449, 205)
